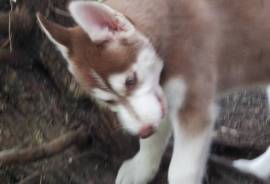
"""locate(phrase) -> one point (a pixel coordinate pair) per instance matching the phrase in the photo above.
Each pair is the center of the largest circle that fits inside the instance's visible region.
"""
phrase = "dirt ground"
(39, 101)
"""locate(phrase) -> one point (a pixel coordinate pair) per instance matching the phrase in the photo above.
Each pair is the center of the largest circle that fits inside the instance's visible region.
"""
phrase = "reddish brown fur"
(104, 59)
(86, 55)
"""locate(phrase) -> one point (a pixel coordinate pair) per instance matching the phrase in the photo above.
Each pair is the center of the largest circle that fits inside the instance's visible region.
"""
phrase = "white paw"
(185, 179)
(137, 171)
(260, 169)
(188, 173)
(258, 166)
(243, 165)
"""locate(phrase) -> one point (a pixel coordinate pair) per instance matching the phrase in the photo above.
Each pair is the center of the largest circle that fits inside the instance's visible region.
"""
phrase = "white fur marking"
(117, 82)
(175, 90)
(147, 67)
(259, 166)
(146, 106)
(99, 79)
(102, 95)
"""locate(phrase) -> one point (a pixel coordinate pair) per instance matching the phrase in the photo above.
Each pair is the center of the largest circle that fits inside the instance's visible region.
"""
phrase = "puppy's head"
(113, 62)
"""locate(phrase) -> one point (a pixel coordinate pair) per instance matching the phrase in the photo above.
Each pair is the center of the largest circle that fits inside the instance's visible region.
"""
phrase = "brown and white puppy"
(158, 61)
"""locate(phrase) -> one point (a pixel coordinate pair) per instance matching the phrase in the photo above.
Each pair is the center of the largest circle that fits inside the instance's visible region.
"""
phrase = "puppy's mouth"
(149, 130)
(146, 132)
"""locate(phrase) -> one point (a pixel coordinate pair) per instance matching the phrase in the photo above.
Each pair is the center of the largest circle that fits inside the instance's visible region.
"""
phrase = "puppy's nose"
(146, 131)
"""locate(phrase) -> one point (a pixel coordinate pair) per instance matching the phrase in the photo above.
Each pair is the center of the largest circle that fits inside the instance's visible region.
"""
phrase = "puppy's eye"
(131, 82)
(110, 102)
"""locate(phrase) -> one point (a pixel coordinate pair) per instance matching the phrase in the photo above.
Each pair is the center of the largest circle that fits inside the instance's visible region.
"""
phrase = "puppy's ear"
(61, 37)
(99, 21)
(58, 35)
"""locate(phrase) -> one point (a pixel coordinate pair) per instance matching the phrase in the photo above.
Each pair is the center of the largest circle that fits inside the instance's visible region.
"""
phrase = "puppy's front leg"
(192, 120)
(142, 168)
(189, 155)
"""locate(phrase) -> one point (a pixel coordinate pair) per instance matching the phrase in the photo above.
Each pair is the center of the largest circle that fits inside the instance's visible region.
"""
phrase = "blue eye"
(131, 81)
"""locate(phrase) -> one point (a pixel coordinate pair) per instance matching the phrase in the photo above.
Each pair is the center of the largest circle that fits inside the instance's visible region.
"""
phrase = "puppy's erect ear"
(99, 21)
(57, 34)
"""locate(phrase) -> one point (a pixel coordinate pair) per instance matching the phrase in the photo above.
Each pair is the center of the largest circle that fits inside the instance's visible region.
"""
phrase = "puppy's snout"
(162, 103)
(146, 131)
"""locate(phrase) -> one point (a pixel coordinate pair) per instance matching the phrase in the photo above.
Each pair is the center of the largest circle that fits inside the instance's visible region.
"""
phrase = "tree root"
(46, 150)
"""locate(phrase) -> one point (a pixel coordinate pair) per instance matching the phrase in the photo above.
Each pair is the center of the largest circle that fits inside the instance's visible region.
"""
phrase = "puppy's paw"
(243, 165)
(137, 171)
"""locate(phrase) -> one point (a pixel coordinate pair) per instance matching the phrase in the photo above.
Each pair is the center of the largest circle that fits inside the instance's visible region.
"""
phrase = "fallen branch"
(46, 150)
(10, 34)
(33, 178)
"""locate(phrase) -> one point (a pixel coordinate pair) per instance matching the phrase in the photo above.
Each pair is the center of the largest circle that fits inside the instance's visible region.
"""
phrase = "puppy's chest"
(175, 90)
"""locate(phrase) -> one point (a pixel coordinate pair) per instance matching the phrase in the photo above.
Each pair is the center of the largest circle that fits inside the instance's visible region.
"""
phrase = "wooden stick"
(46, 150)
(33, 178)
